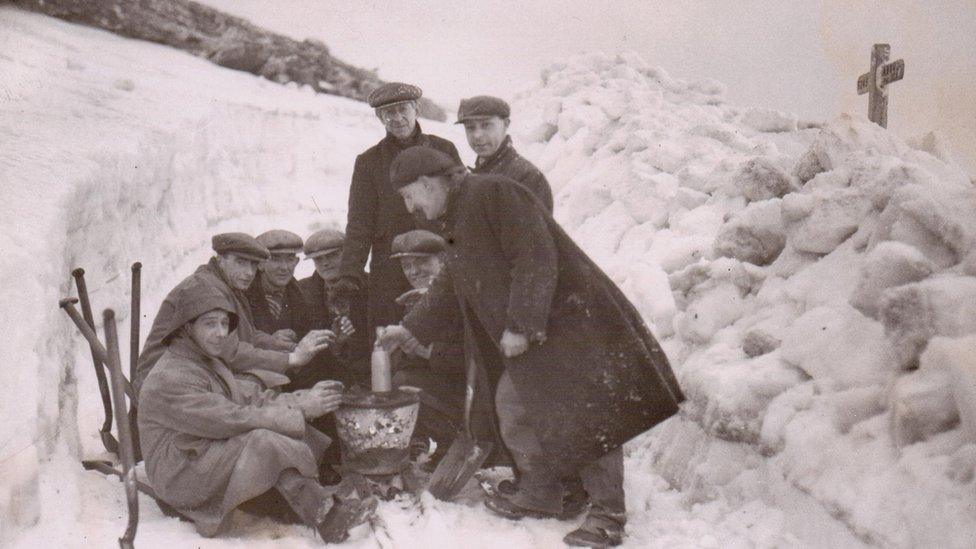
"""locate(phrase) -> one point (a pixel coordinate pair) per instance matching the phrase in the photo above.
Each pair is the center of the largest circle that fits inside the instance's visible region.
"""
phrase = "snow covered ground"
(795, 273)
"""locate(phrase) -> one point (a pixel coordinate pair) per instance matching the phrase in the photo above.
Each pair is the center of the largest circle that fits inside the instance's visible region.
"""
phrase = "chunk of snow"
(888, 265)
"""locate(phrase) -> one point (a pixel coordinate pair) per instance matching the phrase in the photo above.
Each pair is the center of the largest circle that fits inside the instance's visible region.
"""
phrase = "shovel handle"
(135, 316)
(126, 448)
(99, 362)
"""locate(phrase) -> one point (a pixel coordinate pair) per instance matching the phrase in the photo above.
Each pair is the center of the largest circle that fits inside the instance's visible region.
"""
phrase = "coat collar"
(183, 346)
(504, 152)
(417, 138)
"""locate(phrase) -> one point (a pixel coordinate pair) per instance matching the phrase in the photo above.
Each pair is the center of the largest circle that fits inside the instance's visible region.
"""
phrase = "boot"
(598, 530)
(331, 515)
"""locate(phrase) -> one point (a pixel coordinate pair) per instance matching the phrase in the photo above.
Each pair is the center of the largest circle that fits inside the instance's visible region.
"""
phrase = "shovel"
(465, 456)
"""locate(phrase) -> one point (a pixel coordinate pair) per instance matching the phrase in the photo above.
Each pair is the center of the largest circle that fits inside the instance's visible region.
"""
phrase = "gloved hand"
(342, 293)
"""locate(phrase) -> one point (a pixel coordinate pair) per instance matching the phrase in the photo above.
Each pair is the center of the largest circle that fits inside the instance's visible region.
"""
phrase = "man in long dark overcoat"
(579, 372)
(376, 213)
(486, 120)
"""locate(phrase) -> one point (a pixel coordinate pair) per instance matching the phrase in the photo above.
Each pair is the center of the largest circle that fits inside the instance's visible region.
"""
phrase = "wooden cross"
(875, 82)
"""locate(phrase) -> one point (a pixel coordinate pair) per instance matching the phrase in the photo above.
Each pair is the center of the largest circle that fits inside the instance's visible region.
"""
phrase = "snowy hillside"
(795, 274)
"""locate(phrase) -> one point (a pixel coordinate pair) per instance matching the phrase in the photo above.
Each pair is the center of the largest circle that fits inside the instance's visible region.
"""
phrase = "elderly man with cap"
(486, 121)
(579, 373)
(231, 271)
(214, 440)
(376, 213)
(324, 248)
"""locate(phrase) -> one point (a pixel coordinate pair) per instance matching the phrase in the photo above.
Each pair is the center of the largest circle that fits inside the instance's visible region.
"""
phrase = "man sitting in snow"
(324, 248)
(231, 272)
(486, 121)
(579, 372)
(213, 440)
(438, 368)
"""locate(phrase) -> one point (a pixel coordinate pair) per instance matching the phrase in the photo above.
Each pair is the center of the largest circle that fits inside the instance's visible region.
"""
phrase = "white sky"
(795, 55)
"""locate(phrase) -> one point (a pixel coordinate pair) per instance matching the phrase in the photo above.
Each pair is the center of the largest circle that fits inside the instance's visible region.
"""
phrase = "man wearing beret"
(579, 374)
(486, 121)
(324, 248)
(376, 213)
(231, 271)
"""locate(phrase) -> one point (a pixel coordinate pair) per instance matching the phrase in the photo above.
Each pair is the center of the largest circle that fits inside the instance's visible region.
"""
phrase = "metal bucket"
(375, 429)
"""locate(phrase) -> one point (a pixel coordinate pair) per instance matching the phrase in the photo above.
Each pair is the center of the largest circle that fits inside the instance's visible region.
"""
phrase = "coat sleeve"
(542, 189)
(242, 356)
(361, 222)
(437, 313)
(186, 404)
(531, 253)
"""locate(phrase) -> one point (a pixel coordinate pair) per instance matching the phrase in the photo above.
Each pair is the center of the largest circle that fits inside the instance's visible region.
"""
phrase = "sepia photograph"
(435, 275)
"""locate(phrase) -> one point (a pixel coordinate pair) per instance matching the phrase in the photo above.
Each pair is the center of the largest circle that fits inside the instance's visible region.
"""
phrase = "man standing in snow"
(486, 121)
(231, 272)
(579, 372)
(213, 440)
(376, 213)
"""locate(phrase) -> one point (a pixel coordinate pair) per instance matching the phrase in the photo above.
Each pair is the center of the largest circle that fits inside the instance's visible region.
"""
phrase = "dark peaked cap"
(279, 241)
(241, 244)
(324, 241)
(418, 161)
(482, 106)
(393, 92)
(417, 242)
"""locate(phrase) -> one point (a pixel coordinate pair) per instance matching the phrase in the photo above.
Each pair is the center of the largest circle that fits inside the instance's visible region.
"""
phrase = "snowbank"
(808, 269)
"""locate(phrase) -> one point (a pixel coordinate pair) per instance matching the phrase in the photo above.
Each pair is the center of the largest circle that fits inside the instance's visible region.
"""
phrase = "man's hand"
(393, 337)
(321, 399)
(309, 346)
(344, 328)
(513, 344)
(286, 336)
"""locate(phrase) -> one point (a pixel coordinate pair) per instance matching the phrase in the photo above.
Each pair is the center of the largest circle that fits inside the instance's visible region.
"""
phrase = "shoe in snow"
(597, 531)
(344, 515)
(502, 506)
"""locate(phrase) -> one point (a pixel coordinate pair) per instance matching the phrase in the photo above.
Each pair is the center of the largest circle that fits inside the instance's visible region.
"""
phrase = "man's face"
(485, 135)
(427, 195)
(239, 270)
(399, 119)
(210, 330)
(421, 270)
(328, 266)
(279, 269)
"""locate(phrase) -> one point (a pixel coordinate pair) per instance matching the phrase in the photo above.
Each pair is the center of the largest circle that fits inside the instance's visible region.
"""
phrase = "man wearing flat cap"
(278, 304)
(324, 248)
(231, 271)
(376, 213)
(578, 372)
(486, 121)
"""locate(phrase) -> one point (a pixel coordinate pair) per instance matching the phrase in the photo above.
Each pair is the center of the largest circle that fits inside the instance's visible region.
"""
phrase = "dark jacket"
(247, 348)
(506, 161)
(594, 376)
(353, 358)
(376, 215)
(296, 311)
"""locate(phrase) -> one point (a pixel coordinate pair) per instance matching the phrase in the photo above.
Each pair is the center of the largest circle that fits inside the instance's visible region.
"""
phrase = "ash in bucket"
(375, 429)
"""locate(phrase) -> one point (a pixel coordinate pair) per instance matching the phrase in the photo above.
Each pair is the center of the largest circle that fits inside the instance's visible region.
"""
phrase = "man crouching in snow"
(213, 441)
(580, 373)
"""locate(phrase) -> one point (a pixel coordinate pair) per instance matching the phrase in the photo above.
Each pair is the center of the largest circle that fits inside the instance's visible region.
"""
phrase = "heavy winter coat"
(296, 311)
(212, 441)
(247, 348)
(594, 376)
(376, 215)
(508, 162)
(353, 357)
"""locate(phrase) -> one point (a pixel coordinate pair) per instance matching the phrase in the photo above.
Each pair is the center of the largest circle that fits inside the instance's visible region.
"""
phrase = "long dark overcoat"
(594, 376)
(508, 162)
(376, 215)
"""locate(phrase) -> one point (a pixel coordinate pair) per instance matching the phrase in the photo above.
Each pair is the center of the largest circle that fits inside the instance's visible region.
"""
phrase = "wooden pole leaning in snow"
(875, 83)
(126, 448)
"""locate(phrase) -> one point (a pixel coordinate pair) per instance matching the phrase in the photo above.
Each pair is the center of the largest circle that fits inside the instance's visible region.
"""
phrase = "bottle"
(380, 366)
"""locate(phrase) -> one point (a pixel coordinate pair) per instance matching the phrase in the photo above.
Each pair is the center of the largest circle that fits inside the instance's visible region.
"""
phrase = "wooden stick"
(126, 449)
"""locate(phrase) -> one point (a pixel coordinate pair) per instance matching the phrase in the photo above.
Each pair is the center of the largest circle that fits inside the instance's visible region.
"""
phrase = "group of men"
(244, 364)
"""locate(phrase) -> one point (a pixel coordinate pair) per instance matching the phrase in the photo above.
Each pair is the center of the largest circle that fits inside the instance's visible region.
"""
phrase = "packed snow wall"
(813, 284)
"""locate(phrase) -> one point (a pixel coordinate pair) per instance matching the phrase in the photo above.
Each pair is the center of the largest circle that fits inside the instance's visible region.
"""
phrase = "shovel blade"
(462, 461)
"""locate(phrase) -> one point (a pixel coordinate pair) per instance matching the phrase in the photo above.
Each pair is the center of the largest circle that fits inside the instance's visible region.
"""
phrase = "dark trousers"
(540, 488)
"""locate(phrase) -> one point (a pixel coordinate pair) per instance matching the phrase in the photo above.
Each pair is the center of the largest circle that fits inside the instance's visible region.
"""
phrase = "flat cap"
(393, 92)
(241, 244)
(279, 241)
(323, 242)
(482, 106)
(418, 161)
(417, 242)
